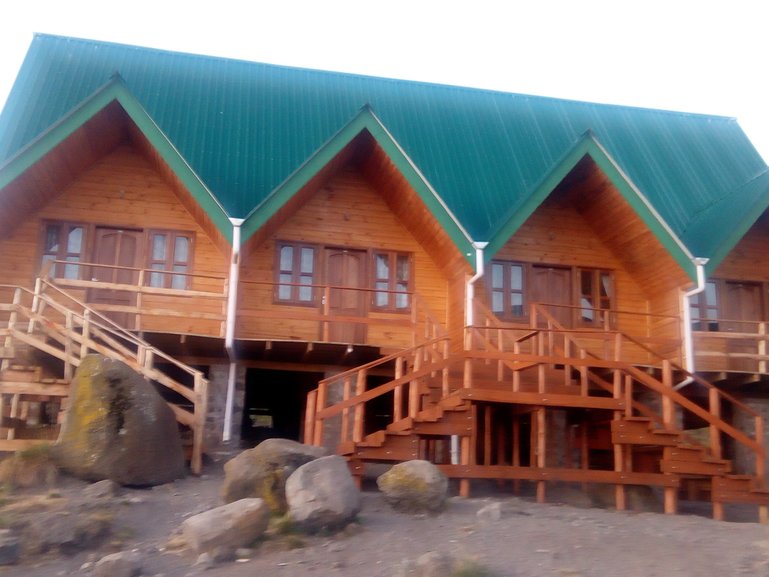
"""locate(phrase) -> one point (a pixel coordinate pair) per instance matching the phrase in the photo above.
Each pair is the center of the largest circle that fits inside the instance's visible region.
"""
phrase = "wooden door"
(116, 248)
(552, 286)
(346, 268)
(741, 301)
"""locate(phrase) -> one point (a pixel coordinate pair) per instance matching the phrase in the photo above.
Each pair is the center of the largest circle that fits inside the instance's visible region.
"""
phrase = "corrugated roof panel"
(245, 127)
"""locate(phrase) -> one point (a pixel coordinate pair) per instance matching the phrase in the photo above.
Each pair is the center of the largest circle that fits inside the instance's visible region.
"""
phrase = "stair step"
(739, 489)
(397, 448)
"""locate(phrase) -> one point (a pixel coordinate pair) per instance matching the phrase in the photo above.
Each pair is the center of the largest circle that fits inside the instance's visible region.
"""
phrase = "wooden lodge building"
(513, 287)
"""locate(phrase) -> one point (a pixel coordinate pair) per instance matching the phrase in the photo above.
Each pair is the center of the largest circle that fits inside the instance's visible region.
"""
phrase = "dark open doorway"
(274, 404)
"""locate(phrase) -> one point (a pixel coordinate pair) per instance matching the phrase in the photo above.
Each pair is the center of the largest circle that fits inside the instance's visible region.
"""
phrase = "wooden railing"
(62, 326)
(731, 345)
(262, 315)
(145, 300)
(627, 380)
(346, 395)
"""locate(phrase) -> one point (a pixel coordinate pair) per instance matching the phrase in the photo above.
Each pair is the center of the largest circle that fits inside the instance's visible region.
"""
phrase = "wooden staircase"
(497, 402)
(44, 335)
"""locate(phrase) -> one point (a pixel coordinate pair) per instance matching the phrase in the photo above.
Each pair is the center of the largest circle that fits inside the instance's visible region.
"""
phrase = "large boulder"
(222, 531)
(322, 495)
(118, 427)
(414, 486)
(261, 472)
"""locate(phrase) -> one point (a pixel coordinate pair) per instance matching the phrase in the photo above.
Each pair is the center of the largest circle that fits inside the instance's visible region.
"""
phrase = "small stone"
(244, 553)
(204, 561)
(9, 548)
(123, 564)
(105, 489)
(491, 512)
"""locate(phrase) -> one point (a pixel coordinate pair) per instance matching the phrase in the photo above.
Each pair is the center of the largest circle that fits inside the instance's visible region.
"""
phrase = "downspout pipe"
(469, 319)
(470, 292)
(687, 320)
(229, 334)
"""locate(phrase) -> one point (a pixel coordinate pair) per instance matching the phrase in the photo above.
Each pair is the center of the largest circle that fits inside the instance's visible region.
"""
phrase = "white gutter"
(229, 335)
(687, 320)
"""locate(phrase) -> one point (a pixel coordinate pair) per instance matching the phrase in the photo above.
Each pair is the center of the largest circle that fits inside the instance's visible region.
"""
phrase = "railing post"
(762, 347)
(714, 407)
(445, 372)
(35, 304)
(86, 335)
(360, 388)
(199, 418)
(321, 400)
(667, 402)
(309, 417)
(345, 432)
(414, 386)
(68, 368)
(326, 311)
(760, 453)
(398, 392)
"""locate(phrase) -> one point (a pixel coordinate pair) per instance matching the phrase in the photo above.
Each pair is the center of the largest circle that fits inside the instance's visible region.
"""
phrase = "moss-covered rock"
(261, 472)
(118, 427)
(414, 487)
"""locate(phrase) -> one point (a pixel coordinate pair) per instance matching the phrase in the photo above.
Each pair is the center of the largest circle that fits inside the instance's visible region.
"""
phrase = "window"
(392, 273)
(64, 242)
(595, 295)
(296, 268)
(170, 252)
(704, 308)
(507, 289)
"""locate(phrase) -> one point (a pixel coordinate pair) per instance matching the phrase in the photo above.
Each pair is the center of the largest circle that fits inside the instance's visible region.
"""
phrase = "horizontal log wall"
(349, 212)
(120, 190)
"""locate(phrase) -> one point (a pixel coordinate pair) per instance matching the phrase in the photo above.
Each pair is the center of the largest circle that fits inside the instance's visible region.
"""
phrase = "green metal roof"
(245, 128)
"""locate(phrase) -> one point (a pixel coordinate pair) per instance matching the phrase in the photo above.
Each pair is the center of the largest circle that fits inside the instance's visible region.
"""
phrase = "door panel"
(741, 301)
(122, 248)
(552, 285)
(346, 268)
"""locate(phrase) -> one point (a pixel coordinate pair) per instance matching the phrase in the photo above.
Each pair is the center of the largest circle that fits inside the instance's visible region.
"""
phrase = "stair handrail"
(143, 359)
(715, 394)
(424, 365)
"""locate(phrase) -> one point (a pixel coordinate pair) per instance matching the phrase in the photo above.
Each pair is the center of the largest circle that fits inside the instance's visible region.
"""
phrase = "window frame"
(62, 254)
(596, 276)
(296, 273)
(508, 291)
(392, 280)
(168, 274)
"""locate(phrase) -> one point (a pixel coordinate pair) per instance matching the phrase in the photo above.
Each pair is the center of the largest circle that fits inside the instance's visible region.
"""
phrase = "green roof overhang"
(589, 146)
(364, 121)
(117, 91)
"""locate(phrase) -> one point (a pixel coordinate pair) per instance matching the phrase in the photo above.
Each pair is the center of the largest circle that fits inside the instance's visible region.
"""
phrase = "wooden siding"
(122, 190)
(749, 260)
(566, 232)
(346, 212)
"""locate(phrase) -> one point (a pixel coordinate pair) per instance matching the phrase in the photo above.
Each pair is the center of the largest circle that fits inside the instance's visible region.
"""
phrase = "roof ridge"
(439, 85)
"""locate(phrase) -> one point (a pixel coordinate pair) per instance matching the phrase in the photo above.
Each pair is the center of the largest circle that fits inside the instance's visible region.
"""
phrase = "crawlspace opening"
(274, 404)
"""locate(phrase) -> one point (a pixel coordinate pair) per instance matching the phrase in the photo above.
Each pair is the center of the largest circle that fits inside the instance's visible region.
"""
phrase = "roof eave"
(116, 90)
(365, 120)
(588, 145)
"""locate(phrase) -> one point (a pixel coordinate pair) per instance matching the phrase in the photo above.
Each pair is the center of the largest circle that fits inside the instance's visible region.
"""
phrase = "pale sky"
(694, 56)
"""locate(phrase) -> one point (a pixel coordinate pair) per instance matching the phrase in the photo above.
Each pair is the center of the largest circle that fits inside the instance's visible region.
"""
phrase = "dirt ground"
(530, 540)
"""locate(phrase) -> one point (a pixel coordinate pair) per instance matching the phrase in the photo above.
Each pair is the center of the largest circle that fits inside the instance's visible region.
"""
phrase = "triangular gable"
(590, 147)
(364, 121)
(116, 91)
(734, 215)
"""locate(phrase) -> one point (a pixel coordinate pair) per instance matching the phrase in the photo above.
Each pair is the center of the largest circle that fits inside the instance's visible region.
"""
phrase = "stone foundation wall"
(217, 399)
(744, 461)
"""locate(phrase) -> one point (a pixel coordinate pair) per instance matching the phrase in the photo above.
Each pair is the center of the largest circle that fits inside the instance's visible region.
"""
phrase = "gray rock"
(491, 512)
(322, 495)
(414, 486)
(122, 564)
(431, 564)
(10, 550)
(105, 489)
(66, 532)
(222, 531)
(118, 427)
(261, 472)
